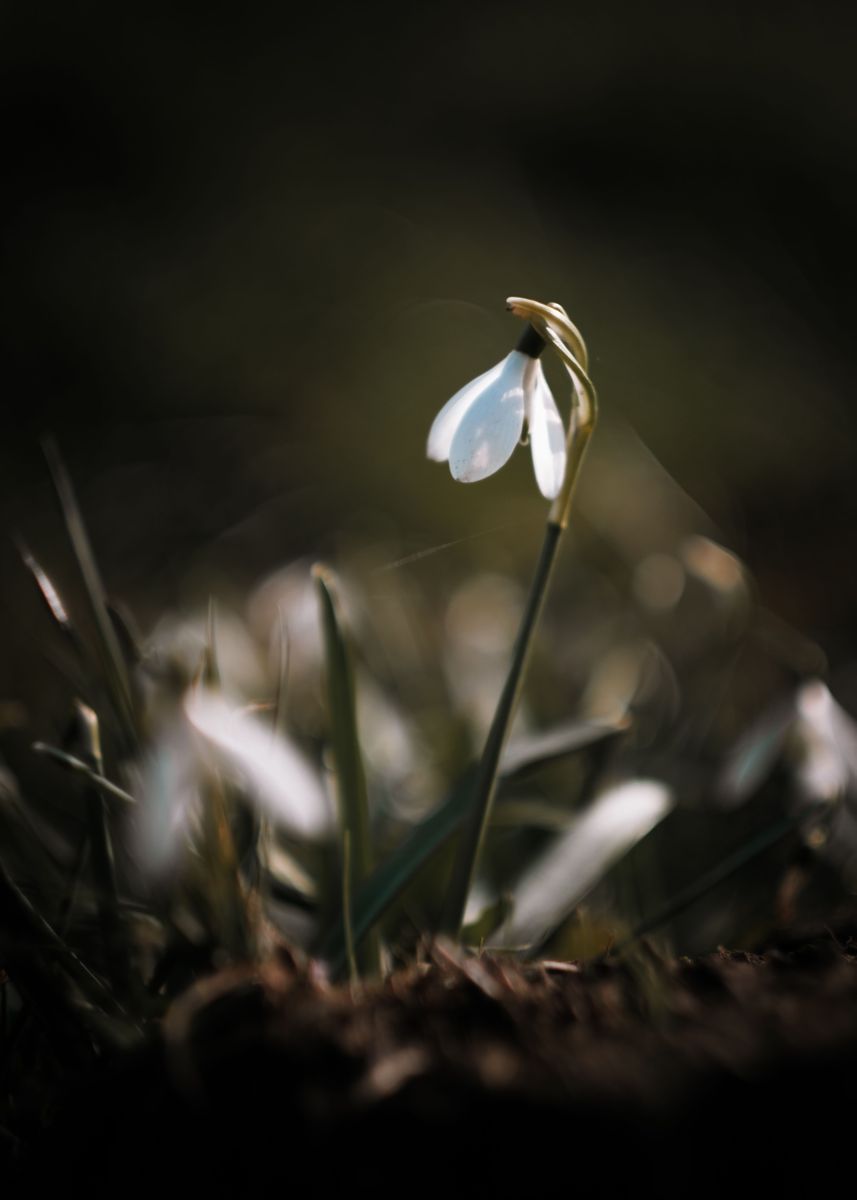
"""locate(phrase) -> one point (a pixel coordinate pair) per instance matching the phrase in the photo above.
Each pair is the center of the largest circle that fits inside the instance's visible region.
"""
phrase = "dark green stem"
(485, 784)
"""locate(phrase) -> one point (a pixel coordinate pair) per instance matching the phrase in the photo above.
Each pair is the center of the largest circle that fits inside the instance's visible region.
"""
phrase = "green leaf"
(284, 650)
(390, 878)
(532, 751)
(345, 742)
(80, 767)
(88, 737)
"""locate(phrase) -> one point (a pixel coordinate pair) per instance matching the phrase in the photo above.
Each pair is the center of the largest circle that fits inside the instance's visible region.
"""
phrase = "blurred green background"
(248, 257)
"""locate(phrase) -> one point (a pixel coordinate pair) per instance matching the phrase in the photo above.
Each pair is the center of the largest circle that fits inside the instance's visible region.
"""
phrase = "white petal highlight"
(280, 778)
(167, 800)
(449, 418)
(547, 436)
(491, 427)
(552, 885)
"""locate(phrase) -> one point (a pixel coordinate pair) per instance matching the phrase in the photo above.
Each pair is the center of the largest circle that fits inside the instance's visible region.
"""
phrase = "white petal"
(829, 742)
(547, 436)
(491, 427)
(281, 779)
(167, 797)
(449, 418)
(597, 838)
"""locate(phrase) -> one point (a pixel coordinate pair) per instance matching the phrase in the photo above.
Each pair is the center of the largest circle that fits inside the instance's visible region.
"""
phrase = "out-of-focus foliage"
(239, 286)
(670, 722)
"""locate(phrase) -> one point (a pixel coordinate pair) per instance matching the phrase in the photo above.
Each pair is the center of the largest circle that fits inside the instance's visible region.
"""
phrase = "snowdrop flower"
(477, 430)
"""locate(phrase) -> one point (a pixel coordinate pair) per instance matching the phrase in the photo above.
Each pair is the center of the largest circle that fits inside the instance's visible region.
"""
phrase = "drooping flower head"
(477, 430)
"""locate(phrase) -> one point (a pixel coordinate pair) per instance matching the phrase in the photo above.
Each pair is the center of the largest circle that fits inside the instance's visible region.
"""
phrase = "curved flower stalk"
(553, 324)
(457, 425)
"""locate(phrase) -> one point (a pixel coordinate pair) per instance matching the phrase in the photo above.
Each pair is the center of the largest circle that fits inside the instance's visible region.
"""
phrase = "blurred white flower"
(477, 430)
(276, 774)
(199, 733)
(816, 740)
(815, 735)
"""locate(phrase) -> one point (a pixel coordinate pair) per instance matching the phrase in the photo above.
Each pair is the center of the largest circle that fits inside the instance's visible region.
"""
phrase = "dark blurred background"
(247, 258)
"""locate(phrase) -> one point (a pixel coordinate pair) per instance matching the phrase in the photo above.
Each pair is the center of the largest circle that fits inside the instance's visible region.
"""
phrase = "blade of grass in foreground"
(51, 598)
(110, 652)
(223, 885)
(101, 852)
(80, 767)
(350, 772)
(391, 877)
(533, 751)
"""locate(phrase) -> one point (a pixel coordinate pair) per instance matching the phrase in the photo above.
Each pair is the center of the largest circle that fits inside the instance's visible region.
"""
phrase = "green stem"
(353, 972)
(348, 757)
(485, 784)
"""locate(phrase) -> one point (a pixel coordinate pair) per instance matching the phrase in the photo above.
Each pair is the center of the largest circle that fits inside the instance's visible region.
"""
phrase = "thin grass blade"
(110, 652)
(530, 752)
(284, 653)
(391, 877)
(348, 757)
(101, 851)
(71, 763)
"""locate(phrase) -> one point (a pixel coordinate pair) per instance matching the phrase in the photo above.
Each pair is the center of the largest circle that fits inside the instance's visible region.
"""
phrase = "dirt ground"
(675, 1077)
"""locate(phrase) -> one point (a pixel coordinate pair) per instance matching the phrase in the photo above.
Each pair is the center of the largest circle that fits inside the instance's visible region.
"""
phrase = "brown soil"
(678, 1078)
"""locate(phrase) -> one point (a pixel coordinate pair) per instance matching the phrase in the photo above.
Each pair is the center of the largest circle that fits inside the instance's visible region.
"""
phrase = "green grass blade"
(284, 654)
(80, 672)
(371, 900)
(110, 652)
(71, 763)
(50, 595)
(101, 851)
(344, 736)
(350, 952)
(532, 751)
(210, 668)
